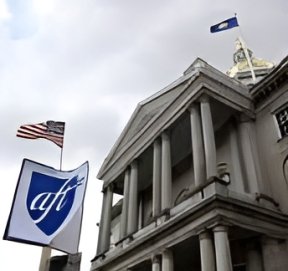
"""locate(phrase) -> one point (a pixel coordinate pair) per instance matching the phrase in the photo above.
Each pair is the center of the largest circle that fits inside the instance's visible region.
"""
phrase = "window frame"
(274, 113)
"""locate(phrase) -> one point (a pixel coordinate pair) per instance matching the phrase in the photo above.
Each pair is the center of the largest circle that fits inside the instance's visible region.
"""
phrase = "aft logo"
(50, 199)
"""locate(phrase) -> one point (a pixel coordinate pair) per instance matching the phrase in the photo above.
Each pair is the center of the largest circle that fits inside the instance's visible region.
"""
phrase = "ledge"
(210, 204)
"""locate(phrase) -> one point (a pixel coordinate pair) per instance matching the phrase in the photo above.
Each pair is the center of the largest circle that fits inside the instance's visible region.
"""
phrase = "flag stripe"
(53, 131)
(30, 135)
(58, 142)
(40, 132)
(24, 135)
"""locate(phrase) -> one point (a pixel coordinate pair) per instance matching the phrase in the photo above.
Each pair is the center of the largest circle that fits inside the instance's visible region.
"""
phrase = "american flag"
(50, 130)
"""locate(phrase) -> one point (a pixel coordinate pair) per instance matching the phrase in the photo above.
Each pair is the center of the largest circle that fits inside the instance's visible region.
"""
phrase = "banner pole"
(46, 251)
(61, 155)
(44, 261)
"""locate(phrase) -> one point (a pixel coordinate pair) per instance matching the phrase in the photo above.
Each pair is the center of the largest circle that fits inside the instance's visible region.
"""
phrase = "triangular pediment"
(152, 109)
(144, 113)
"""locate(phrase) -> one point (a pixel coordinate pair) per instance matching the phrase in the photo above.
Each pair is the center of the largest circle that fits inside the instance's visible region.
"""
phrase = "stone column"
(253, 258)
(167, 260)
(156, 178)
(125, 205)
(156, 263)
(238, 180)
(133, 199)
(105, 223)
(209, 138)
(222, 249)
(207, 252)
(166, 173)
(197, 145)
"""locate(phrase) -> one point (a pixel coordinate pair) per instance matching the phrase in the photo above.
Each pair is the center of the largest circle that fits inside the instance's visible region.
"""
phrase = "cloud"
(90, 62)
(22, 22)
(4, 12)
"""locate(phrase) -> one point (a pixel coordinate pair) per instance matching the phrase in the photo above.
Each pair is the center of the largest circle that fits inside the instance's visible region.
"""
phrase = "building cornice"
(271, 83)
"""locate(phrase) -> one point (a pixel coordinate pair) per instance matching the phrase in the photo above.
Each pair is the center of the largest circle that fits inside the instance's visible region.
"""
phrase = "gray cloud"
(90, 62)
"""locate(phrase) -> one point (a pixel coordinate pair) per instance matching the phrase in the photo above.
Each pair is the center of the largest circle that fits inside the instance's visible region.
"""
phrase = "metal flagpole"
(61, 155)
(247, 56)
(46, 251)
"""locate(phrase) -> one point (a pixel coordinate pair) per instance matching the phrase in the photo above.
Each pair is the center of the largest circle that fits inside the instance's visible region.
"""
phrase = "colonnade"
(215, 253)
(204, 167)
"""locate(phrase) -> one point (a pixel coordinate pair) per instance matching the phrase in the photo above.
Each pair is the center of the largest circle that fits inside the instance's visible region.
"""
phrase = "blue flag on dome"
(227, 24)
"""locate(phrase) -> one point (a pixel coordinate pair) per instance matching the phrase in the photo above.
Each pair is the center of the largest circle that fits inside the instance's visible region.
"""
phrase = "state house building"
(202, 168)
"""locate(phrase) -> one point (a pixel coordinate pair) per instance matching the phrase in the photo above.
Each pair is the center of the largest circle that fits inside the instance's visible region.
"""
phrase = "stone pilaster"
(248, 156)
(253, 257)
(274, 253)
(238, 181)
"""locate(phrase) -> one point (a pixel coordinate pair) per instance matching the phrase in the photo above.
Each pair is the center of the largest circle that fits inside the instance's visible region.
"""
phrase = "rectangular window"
(282, 121)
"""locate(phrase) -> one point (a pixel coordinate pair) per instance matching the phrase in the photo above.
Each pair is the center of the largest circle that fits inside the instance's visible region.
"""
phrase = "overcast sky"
(89, 63)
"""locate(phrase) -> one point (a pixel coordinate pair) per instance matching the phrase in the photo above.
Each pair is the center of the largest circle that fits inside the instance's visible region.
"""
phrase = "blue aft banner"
(48, 206)
(227, 24)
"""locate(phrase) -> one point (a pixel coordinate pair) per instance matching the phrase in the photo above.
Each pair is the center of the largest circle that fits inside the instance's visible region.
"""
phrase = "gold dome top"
(241, 64)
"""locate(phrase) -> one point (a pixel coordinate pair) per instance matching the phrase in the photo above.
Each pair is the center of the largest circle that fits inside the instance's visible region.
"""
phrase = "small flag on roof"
(227, 24)
(50, 130)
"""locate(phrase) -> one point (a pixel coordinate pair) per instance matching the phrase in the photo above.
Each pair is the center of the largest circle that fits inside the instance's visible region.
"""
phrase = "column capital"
(269, 240)
(157, 141)
(165, 134)
(244, 118)
(108, 187)
(127, 169)
(166, 251)
(193, 106)
(253, 244)
(134, 164)
(221, 228)
(204, 98)
(204, 235)
(155, 259)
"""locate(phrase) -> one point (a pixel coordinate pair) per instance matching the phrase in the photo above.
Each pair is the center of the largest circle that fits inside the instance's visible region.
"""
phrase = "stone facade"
(202, 168)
